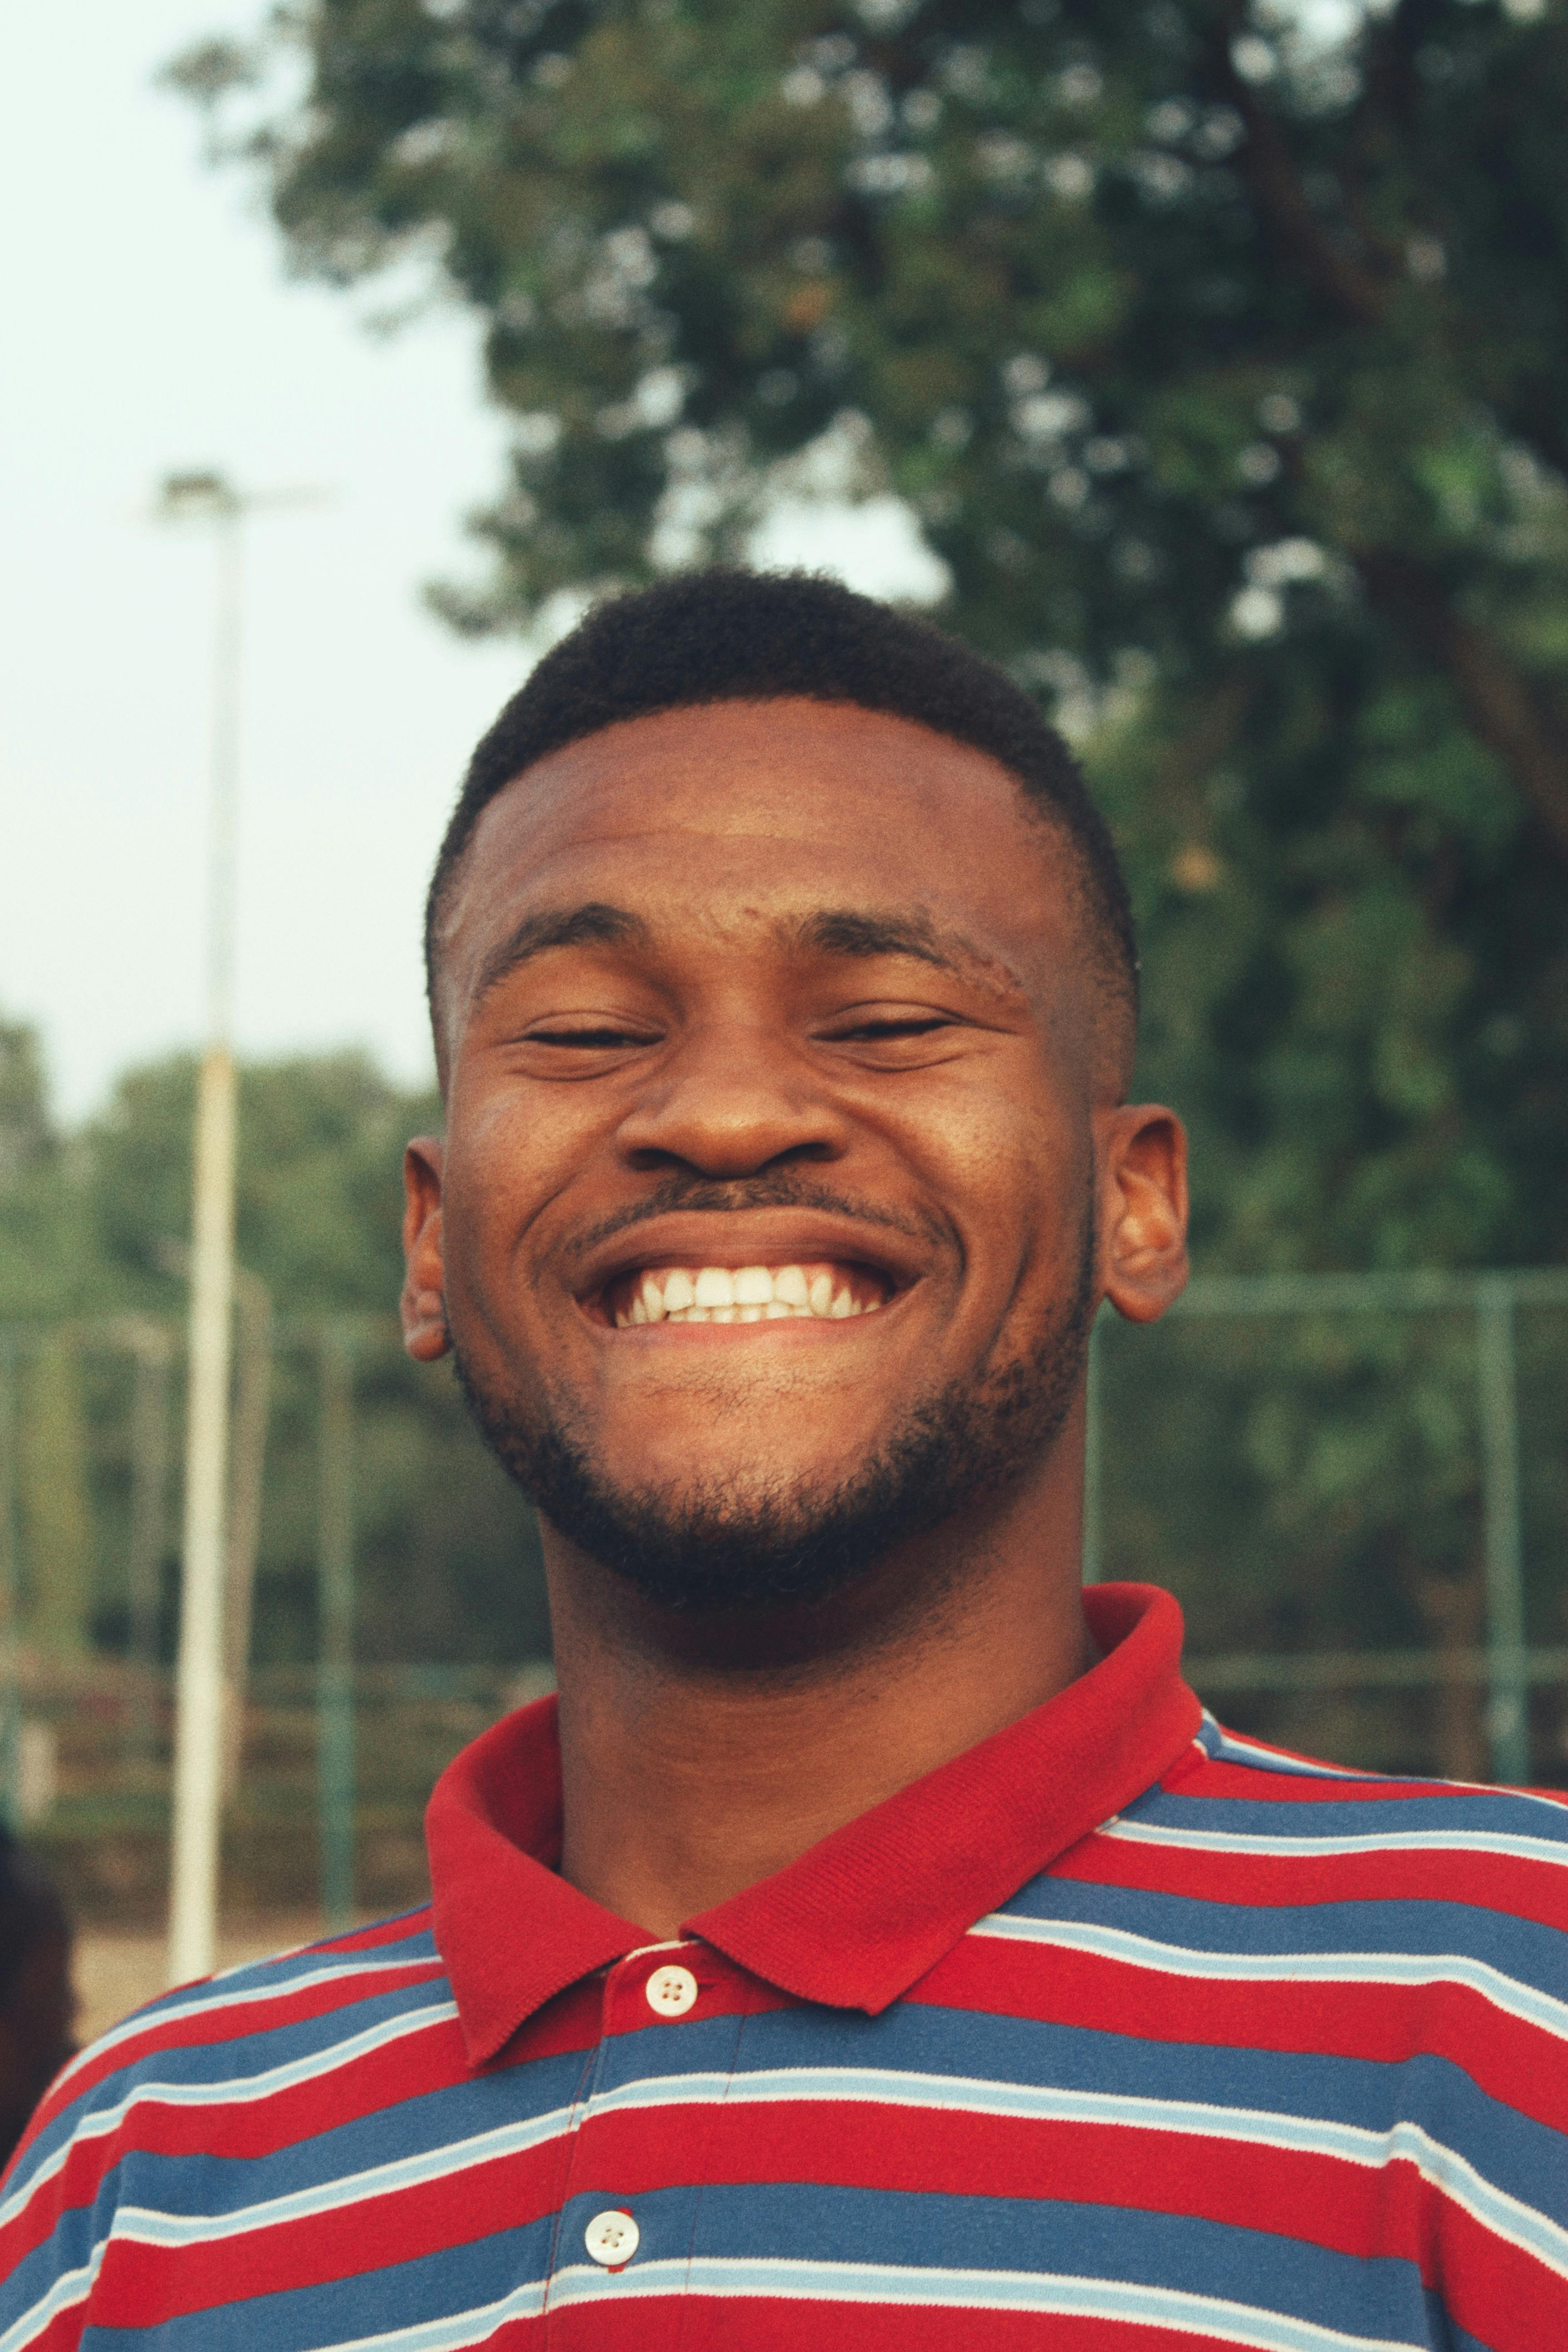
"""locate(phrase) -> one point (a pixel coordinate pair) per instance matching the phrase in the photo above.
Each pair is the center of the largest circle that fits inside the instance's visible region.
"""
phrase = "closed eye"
(920, 1024)
(604, 1037)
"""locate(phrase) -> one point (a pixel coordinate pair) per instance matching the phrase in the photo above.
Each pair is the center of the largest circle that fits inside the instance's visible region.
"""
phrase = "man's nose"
(734, 1099)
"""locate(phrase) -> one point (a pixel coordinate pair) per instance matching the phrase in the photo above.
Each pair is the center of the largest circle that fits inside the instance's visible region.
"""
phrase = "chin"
(712, 1475)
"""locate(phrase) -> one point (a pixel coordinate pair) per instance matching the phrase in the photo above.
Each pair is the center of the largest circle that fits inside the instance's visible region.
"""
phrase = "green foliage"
(92, 1228)
(1226, 370)
(319, 1206)
(54, 1503)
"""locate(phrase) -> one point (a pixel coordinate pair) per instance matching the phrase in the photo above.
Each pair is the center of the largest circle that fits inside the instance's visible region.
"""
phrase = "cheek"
(509, 1155)
(1005, 1155)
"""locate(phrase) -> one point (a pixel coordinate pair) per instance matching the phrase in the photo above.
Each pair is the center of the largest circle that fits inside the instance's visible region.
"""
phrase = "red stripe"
(64, 2332)
(777, 2326)
(764, 2324)
(1517, 1889)
(410, 2068)
(1389, 2212)
(1511, 2061)
(144, 2285)
(210, 2028)
(1360, 2210)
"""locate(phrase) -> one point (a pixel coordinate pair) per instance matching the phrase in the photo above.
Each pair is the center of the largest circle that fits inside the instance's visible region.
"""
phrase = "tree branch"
(1499, 703)
(1268, 167)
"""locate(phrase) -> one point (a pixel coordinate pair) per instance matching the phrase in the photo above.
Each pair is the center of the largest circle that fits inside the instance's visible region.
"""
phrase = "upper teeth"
(747, 1294)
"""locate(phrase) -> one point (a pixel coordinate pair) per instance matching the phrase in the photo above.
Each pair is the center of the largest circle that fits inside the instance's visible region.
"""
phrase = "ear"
(1142, 1152)
(424, 1302)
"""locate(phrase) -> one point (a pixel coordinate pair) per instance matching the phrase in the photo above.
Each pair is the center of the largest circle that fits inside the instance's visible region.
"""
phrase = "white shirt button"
(671, 1991)
(611, 2239)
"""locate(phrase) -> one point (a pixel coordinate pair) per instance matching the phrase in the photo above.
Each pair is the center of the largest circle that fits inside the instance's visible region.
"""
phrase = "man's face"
(774, 1069)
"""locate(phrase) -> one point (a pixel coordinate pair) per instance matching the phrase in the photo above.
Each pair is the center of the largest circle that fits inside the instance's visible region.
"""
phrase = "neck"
(686, 1777)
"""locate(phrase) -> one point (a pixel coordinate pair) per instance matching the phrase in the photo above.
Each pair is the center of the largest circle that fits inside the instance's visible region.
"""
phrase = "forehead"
(792, 802)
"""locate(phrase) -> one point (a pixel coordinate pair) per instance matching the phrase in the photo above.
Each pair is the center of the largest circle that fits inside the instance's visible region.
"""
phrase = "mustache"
(781, 1188)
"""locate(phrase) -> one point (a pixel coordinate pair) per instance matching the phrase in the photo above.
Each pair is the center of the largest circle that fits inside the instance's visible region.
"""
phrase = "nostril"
(728, 1166)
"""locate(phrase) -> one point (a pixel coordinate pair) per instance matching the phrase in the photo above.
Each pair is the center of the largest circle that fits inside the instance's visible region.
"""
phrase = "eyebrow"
(593, 924)
(845, 931)
(848, 932)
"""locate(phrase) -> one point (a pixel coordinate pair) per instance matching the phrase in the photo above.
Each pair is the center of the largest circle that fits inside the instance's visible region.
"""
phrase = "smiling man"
(875, 1946)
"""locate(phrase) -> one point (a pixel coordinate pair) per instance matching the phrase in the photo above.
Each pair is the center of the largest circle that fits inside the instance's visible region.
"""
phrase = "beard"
(707, 1550)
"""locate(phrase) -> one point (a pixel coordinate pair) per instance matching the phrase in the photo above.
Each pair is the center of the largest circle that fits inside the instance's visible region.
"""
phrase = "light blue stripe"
(145, 2226)
(1229, 1746)
(1420, 1969)
(463, 2328)
(1233, 1749)
(1504, 2216)
(1030, 2291)
(98, 2123)
(1404, 2142)
(1518, 1849)
(177, 2011)
(70, 2288)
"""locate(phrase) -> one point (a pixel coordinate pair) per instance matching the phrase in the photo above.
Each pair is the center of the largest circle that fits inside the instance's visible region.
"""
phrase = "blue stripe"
(1379, 2297)
(405, 2295)
(240, 2058)
(273, 1979)
(71, 2249)
(1534, 1955)
(1495, 1809)
(447, 2118)
(1234, 1747)
(1037, 2293)
(1522, 2157)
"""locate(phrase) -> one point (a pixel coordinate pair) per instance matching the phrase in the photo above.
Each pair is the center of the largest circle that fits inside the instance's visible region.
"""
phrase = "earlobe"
(424, 1301)
(1144, 1209)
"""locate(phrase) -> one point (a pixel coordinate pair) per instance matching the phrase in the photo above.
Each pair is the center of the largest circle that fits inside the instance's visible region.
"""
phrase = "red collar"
(868, 1910)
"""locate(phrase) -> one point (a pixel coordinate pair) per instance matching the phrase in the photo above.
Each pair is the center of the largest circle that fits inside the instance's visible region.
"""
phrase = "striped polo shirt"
(1115, 2034)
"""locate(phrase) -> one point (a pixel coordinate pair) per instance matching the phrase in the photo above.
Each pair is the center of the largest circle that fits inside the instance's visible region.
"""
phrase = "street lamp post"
(200, 1690)
(199, 1694)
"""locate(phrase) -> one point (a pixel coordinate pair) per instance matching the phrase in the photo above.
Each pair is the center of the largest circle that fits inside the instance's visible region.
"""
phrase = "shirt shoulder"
(1232, 1796)
(1248, 1861)
(260, 2054)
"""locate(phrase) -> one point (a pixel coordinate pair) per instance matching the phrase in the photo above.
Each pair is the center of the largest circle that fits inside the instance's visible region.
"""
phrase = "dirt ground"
(116, 1973)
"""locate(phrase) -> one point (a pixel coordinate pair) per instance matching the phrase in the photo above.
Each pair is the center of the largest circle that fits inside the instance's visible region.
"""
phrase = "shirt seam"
(570, 2142)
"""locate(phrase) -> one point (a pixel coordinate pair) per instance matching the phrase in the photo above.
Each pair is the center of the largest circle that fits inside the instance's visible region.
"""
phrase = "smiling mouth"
(822, 1290)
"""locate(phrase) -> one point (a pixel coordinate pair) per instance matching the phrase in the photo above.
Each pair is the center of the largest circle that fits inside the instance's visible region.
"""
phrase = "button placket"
(598, 2219)
(566, 2244)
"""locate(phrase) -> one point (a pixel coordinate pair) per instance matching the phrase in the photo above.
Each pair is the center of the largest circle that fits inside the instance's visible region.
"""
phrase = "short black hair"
(725, 635)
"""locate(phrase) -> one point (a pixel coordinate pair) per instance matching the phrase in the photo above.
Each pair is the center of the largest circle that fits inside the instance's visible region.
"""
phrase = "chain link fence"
(1357, 1486)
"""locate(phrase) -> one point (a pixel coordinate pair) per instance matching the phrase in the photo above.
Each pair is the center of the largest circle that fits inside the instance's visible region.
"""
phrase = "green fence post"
(149, 1524)
(1508, 1711)
(10, 1583)
(334, 1689)
(1093, 1438)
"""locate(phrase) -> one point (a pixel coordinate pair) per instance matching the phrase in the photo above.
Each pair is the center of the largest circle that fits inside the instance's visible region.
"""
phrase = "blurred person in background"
(37, 2003)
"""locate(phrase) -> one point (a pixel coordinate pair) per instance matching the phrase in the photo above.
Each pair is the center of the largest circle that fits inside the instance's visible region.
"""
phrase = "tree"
(1225, 368)
(90, 1229)
(1224, 364)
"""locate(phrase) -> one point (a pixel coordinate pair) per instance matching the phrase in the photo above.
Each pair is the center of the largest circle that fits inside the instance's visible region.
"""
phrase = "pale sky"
(150, 327)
